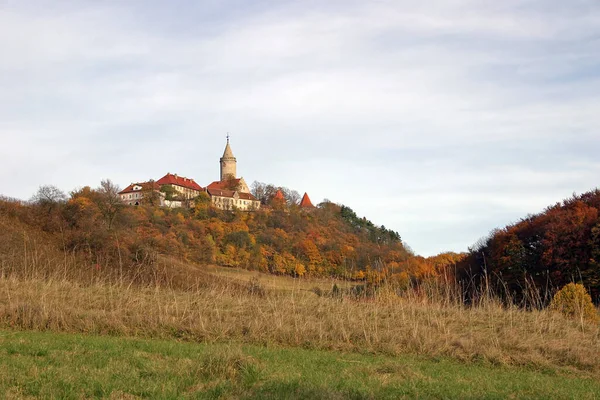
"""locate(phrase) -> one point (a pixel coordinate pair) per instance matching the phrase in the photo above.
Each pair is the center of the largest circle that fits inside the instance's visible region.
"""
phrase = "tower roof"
(279, 195)
(305, 202)
(228, 153)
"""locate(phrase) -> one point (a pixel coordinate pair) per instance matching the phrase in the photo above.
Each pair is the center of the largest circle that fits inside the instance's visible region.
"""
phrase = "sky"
(441, 120)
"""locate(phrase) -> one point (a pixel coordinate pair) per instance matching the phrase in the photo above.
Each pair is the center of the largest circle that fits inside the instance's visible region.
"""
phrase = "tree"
(150, 194)
(48, 195)
(169, 191)
(263, 192)
(202, 205)
(292, 197)
(108, 201)
(231, 183)
(48, 200)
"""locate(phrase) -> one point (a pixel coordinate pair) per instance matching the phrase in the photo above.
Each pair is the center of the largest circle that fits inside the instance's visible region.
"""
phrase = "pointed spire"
(228, 153)
(228, 163)
(305, 202)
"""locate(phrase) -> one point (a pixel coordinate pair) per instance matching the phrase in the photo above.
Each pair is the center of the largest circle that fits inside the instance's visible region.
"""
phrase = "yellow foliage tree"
(575, 302)
(299, 269)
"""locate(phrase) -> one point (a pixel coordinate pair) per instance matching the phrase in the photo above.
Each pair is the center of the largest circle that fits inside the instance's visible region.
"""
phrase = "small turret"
(306, 203)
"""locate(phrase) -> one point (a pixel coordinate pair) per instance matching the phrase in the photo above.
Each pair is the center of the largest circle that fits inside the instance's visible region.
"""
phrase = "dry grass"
(44, 289)
(218, 311)
(276, 282)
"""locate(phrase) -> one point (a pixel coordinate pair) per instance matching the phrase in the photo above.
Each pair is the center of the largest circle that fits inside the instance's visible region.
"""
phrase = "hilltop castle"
(172, 190)
(228, 193)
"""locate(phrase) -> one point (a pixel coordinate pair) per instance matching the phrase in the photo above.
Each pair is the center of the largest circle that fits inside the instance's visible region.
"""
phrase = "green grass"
(50, 365)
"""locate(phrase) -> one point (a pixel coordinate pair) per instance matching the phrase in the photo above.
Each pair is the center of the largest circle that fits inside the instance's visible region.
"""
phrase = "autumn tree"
(202, 206)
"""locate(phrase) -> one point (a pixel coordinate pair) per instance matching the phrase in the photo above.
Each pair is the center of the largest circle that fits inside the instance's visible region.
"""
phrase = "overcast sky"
(439, 119)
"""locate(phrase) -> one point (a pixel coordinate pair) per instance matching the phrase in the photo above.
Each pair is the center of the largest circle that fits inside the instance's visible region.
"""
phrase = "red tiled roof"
(171, 179)
(144, 185)
(306, 201)
(229, 193)
(246, 196)
(224, 185)
(279, 195)
(219, 192)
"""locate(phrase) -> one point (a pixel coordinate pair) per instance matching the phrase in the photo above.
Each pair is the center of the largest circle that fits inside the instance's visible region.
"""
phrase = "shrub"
(575, 302)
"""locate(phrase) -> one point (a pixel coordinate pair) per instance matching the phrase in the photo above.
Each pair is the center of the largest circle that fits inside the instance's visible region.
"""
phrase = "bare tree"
(109, 202)
(48, 194)
(292, 196)
(48, 198)
(263, 192)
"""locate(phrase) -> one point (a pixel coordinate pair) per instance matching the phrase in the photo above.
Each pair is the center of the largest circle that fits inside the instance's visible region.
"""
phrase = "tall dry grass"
(44, 289)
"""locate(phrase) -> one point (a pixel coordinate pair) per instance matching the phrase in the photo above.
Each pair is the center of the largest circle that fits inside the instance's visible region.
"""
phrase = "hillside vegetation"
(93, 228)
(532, 258)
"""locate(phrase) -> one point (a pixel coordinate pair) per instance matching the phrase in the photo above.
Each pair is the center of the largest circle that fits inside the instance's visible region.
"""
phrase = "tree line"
(541, 252)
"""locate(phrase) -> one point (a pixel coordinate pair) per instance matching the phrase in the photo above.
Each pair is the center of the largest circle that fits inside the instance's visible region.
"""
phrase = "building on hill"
(179, 187)
(173, 190)
(305, 202)
(230, 191)
(232, 199)
(238, 184)
(136, 193)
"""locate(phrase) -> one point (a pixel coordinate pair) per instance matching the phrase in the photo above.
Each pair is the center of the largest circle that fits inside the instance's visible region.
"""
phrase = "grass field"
(71, 366)
(187, 331)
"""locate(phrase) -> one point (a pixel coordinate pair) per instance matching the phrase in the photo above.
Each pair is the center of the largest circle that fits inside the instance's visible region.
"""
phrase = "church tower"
(228, 163)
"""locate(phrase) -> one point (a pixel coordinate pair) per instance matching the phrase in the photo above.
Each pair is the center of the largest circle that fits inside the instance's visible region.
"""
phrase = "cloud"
(440, 120)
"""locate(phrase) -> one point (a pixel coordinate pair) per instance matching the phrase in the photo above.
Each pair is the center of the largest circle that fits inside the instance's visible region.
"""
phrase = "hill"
(529, 259)
(96, 230)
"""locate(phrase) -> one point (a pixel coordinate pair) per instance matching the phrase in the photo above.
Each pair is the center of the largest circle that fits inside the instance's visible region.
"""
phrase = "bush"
(575, 302)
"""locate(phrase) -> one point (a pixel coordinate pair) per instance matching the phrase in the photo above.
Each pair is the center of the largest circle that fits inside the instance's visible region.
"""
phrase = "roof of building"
(279, 195)
(305, 202)
(228, 153)
(229, 193)
(174, 179)
(225, 185)
(142, 186)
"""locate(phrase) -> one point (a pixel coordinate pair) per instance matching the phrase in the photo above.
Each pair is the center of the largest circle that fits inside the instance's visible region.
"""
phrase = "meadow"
(75, 366)
(430, 342)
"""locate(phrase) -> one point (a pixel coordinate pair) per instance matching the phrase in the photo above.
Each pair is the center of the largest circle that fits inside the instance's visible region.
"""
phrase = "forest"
(541, 252)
